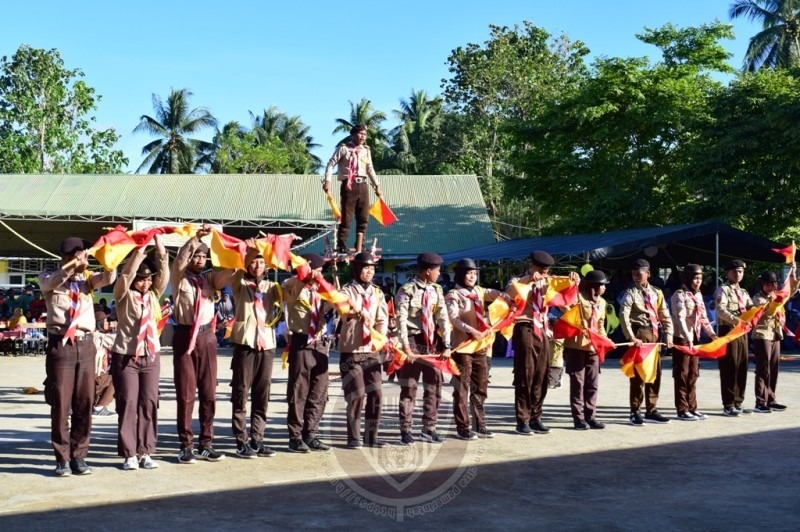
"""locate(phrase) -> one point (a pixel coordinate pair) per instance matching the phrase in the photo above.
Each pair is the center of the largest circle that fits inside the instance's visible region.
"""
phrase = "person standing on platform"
(353, 161)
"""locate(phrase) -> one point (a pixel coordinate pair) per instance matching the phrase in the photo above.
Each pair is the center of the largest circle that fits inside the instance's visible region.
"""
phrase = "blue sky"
(307, 58)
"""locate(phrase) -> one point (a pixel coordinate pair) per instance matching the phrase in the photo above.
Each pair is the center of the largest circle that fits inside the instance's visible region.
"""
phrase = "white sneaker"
(130, 464)
(145, 462)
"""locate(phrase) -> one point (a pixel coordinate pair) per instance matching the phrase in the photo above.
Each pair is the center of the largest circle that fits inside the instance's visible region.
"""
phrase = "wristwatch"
(448, 346)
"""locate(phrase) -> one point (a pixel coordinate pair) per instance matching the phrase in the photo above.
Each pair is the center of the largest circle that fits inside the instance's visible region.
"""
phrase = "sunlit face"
(360, 137)
(142, 284)
(641, 276)
(697, 282)
(367, 273)
(768, 287)
(596, 290)
(470, 278)
(257, 267)
(198, 262)
(430, 275)
(735, 275)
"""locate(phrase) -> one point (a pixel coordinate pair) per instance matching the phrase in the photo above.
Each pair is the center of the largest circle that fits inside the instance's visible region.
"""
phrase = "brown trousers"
(136, 384)
(472, 385)
(409, 375)
(768, 361)
(531, 366)
(733, 370)
(70, 384)
(195, 372)
(362, 382)
(583, 368)
(308, 388)
(252, 373)
(104, 390)
(354, 202)
(638, 388)
(685, 371)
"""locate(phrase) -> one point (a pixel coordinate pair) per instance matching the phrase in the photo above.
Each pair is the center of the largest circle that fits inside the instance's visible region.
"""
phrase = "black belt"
(78, 340)
(200, 329)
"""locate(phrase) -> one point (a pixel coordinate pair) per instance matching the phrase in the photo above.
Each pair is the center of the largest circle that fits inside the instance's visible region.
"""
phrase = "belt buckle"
(359, 180)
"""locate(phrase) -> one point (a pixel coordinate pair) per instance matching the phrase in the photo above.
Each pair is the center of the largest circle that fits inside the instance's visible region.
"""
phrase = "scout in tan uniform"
(580, 359)
(354, 163)
(360, 363)
(732, 300)
(643, 314)
(194, 346)
(531, 342)
(308, 358)
(465, 306)
(689, 318)
(258, 309)
(70, 359)
(423, 328)
(135, 360)
(767, 337)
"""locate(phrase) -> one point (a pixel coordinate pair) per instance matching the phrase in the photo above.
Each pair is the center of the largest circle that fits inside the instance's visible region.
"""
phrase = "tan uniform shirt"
(55, 287)
(341, 159)
(462, 313)
(582, 341)
(770, 325)
(183, 290)
(351, 336)
(634, 314)
(297, 296)
(408, 303)
(686, 312)
(729, 298)
(129, 312)
(535, 311)
(245, 330)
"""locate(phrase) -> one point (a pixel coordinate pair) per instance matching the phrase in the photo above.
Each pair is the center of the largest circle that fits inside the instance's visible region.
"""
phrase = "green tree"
(293, 133)
(745, 170)
(777, 45)
(419, 117)
(504, 83)
(618, 147)
(45, 118)
(173, 152)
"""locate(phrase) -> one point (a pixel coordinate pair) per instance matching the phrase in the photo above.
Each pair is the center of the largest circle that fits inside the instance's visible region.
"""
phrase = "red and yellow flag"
(788, 252)
(561, 292)
(276, 250)
(569, 324)
(336, 298)
(398, 359)
(301, 265)
(337, 213)
(641, 360)
(227, 251)
(381, 212)
(601, 344)
(112, 248)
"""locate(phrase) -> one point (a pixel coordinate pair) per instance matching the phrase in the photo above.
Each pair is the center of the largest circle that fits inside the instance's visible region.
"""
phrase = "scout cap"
(689, 271)
(429, 259)
(735, 263)
(768, 277)
(72, 245)
(364, 258)
(202, 248)
(542, 259)
(146, 269)
(596, 277)
(314, 260)
(466, 265)
(640, 264)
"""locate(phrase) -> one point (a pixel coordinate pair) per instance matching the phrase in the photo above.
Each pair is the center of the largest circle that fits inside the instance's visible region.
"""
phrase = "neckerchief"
(261, 316)
(650, 307)
(76, 304)
(477, 303)
(427, 316)
(145, 341)
(352, 164)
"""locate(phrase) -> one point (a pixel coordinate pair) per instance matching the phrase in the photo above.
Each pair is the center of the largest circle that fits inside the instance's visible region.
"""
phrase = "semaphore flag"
(381, 212)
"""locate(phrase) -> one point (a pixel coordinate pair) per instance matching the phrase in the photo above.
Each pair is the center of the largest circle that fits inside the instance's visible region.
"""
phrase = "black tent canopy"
(708, 243)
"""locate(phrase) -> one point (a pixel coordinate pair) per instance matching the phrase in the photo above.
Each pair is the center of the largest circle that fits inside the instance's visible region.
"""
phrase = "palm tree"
(778, 44)
(416, 115)
(173, 152)
(289, 129)
(363, 113)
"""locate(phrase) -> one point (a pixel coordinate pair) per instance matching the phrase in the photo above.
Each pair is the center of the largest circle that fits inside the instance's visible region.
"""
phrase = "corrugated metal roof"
(442, 213)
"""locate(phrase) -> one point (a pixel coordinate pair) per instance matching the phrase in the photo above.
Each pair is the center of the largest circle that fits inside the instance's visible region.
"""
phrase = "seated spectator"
(18, 322)
(37, 307)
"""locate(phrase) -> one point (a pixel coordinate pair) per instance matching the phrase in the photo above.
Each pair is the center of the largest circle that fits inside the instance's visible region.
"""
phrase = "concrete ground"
(719, 474)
